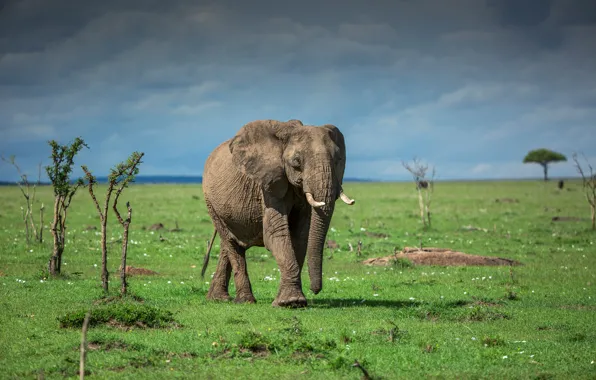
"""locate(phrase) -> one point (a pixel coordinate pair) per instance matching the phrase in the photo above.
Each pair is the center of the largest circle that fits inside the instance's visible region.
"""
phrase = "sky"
(467, 86)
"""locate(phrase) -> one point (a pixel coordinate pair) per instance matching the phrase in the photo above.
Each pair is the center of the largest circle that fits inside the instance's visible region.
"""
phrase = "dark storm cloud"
(521, 13)
(32, 25)
(460, 78)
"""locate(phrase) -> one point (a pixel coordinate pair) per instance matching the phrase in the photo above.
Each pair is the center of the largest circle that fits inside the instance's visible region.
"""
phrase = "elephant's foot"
(245, 298)
(290, 298)
(216, 295)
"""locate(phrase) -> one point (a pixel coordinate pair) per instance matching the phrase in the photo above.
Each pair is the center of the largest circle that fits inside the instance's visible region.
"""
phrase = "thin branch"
(124, 183)
(91, 181)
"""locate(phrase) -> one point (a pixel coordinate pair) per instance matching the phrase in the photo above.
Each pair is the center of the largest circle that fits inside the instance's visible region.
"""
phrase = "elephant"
(274, 185)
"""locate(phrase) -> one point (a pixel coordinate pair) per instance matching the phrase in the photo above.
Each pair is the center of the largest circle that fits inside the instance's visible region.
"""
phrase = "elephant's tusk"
(345, 198)
(312, 202)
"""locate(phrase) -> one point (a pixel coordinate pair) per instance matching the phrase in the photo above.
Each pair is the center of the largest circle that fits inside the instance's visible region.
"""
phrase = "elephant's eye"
(295, 162)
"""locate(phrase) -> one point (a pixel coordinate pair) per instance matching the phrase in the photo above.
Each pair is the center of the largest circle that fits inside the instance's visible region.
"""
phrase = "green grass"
(400, 321)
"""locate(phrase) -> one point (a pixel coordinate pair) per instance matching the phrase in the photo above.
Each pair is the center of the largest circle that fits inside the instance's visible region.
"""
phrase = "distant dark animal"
(421, 184)
(561, 184)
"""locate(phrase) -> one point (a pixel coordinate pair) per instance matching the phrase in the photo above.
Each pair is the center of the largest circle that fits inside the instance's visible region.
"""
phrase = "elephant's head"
(312, 159)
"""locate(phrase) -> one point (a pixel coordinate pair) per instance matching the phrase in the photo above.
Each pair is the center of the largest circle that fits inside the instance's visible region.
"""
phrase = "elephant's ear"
(257, 152)
(338, 138)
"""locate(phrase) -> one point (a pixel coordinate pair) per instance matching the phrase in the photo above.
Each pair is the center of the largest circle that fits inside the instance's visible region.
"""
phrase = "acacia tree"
(543, 157)
(118, 179)
(589, 184)
(59, 174)
(28, 190)
(423, 184)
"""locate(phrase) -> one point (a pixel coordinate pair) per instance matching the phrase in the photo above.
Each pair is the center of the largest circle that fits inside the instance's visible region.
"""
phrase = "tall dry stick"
(429, 190)
(421, 206)
(41, 210)
(83, 355)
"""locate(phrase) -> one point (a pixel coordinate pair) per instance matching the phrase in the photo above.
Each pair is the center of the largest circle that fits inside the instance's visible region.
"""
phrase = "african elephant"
(274, 185)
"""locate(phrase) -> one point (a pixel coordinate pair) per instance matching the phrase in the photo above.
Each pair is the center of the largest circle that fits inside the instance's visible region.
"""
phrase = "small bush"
(340, 362)
(255, 342)
(125, 314)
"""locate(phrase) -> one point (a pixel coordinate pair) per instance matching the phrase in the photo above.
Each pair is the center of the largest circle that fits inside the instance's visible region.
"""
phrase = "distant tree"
(64, 189)
(589, 184)
(543, 157)
(28, 192)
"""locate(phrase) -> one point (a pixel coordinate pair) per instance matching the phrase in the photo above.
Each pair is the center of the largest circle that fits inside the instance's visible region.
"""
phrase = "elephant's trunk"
(319, 225)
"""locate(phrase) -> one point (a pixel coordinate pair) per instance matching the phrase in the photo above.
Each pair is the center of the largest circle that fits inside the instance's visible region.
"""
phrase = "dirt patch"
(133, 271)
(568, 219)
(440, 257)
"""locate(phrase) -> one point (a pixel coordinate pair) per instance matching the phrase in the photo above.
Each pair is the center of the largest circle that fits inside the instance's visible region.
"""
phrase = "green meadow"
(399, 321)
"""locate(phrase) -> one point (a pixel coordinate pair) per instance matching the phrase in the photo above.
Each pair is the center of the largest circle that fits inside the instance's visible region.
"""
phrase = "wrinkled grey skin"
(274, 185)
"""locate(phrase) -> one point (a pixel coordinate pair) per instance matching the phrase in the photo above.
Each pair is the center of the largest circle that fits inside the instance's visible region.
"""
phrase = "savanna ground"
(397, 321)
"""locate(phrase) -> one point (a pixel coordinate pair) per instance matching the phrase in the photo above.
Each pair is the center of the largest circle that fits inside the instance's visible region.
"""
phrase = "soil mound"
(440, 257)
(132, 271)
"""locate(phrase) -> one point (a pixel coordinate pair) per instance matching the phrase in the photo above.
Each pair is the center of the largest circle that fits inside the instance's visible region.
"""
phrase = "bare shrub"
(424, 187)
(119, 178)
(589, 185)
(28, 190)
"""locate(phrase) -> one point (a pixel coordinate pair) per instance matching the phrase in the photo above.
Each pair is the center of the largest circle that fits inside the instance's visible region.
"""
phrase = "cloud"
(468, 85)
(30, 132)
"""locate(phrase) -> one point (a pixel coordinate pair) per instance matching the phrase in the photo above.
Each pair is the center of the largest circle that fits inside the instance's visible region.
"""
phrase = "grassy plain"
(530, 321)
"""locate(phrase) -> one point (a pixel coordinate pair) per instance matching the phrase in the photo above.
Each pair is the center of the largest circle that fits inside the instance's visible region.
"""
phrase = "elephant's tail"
(206, 259)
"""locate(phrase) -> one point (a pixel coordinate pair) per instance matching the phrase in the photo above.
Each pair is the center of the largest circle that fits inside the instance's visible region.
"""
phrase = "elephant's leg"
(299, 228)
(218, 289)
(237, 259)
(278, 240)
